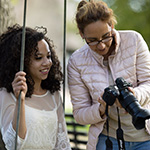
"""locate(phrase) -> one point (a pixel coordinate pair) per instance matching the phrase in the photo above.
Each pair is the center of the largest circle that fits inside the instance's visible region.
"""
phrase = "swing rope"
(21, 69)
(22, 64)
(64, 55)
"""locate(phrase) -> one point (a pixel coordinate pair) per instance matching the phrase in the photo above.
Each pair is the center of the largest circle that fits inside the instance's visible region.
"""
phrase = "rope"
(22, 64)
(64, 55)
(21, 69)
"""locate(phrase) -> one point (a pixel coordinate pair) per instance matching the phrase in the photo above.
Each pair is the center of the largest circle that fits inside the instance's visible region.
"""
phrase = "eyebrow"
(106, 34)
(38, 53)
(96, 38)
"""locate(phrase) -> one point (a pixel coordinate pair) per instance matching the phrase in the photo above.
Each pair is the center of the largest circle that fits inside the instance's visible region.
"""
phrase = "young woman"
(42, 125)
(107, 55)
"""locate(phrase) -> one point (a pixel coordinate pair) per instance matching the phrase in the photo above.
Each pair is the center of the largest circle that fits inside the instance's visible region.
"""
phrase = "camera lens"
(131, 104)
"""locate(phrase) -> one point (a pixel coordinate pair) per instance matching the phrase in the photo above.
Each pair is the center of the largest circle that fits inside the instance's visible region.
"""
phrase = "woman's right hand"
(102, 107)
(19, 84)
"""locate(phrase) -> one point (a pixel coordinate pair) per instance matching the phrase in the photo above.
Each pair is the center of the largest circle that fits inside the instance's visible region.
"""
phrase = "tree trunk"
(6, 15)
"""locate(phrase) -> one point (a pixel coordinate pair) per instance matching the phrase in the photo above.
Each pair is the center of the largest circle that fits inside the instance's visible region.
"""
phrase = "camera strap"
(119, 133)
(108, 142)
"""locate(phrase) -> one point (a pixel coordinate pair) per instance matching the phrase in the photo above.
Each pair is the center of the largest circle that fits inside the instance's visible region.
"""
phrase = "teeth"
(45, 70)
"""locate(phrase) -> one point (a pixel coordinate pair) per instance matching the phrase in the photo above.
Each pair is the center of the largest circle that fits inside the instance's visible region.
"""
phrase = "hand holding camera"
(127, 101)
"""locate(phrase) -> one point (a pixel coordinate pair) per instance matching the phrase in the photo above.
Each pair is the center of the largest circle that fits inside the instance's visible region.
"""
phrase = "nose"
(47, 61)
(101, 45)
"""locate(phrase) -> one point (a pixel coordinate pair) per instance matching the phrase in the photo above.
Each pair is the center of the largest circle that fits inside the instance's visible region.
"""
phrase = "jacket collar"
(116, 35)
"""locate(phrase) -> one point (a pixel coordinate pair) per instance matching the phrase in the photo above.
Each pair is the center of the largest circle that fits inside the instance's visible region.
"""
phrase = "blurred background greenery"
(131, 15)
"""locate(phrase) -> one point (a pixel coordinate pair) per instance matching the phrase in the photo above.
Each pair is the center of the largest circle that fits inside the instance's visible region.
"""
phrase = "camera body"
(127, 101)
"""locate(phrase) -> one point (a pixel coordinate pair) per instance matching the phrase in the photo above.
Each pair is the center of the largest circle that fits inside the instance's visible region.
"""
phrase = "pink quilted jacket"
(88, 77)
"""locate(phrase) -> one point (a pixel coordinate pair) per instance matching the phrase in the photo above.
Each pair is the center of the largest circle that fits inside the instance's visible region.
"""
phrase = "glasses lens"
(107, 39)
(93, 43)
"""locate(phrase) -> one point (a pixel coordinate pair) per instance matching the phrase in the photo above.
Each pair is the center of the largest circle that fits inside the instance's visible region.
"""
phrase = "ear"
(112, 26)
(81, 34)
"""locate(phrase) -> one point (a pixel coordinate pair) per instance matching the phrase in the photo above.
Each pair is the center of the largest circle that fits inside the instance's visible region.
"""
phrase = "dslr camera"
(128, 102)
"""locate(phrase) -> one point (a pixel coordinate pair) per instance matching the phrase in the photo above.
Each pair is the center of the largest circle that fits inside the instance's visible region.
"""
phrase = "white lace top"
(46, 127)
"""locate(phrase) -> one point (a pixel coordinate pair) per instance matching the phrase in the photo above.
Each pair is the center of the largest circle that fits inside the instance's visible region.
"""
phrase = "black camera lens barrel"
(131, 104)
(128, 96)
(127, 101)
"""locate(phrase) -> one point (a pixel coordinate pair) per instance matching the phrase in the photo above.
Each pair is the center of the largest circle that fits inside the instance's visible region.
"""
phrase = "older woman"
(107, 55)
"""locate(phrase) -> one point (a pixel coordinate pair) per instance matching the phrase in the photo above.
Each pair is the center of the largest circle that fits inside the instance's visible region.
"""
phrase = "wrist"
(101, 111)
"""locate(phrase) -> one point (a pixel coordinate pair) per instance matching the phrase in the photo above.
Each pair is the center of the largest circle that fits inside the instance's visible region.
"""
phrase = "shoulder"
(80, 53)
(129, 38)
(4, 93)
(57, 97)
(80, 57)
(130, 34)
(6, 99)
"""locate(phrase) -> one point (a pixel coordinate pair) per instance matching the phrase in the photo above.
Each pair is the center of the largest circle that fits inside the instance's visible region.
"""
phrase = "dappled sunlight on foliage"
(130, 14)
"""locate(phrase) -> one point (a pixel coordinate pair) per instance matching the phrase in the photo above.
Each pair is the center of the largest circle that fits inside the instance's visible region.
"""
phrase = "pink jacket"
(88, 77)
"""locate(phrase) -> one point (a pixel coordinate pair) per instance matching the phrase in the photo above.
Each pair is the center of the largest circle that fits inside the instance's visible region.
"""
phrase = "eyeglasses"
(105, 40)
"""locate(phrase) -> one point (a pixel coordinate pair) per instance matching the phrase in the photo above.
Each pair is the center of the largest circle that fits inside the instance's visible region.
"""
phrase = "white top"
(46, 127)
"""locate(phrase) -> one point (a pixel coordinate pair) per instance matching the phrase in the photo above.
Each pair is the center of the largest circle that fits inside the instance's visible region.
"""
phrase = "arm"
(142, 91)
(7, 107)
(62, 135)
(8, 117)
(85, 112)
(19, 84)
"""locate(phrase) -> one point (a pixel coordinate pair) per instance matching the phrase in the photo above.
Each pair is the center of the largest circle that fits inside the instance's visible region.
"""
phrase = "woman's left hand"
(19, 84)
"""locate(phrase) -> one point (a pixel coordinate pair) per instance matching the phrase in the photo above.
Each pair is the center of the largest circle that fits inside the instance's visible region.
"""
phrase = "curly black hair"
(10, 51)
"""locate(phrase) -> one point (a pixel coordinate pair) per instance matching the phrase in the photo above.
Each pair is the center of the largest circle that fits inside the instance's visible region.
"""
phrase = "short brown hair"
(88, 12)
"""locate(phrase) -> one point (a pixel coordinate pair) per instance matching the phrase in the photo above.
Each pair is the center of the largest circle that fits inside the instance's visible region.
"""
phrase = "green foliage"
(133, 15)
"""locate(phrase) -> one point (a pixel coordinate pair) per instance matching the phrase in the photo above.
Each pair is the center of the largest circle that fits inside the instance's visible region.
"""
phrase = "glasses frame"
(99, 41)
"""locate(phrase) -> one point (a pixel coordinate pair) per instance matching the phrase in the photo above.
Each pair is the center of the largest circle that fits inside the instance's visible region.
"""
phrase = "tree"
(6, 15)
(133, 15)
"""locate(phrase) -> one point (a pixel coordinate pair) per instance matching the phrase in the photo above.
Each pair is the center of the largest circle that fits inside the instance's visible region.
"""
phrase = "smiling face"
(40, 62)
(97, 31)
